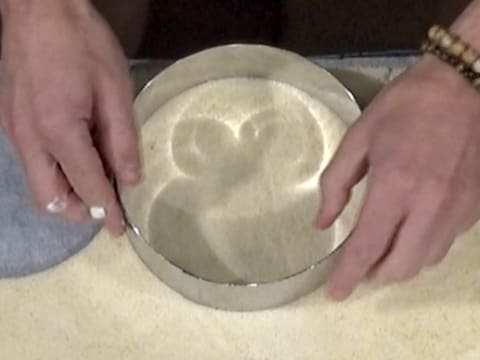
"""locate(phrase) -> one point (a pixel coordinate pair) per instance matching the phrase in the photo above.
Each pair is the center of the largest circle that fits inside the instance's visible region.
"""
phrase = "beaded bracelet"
(455, 52)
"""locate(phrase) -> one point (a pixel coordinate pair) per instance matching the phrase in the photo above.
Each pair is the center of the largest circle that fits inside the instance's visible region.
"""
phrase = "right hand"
(67, 106)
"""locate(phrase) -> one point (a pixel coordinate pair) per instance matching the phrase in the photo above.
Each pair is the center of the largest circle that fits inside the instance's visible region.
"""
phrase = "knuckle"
(399, 177)
(54, 122)
(127, 152)
(358, 135)
(50, 128)
(110, 199)
(365, 253)
(327, 180)
(436, 187)
(435, 192)
(110, 73)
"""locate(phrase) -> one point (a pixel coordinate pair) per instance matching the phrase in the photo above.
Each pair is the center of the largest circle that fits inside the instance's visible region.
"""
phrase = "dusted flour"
(234, 165)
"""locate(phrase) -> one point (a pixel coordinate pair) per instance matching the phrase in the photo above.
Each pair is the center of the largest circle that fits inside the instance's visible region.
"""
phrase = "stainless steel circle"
(224, 213)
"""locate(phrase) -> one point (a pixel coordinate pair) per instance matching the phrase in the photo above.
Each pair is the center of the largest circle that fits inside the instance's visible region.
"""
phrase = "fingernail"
(335, 294)
(97, 212)
(57, 205)
(132, 173)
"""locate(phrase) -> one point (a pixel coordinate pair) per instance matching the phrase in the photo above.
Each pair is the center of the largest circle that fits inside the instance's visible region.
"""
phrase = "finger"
(407, 253)
(117, 134)
(414, 240)
(441, 244)
(450, 226)
(49, 186)
(370, 239)
(347, 167)
(84, 170)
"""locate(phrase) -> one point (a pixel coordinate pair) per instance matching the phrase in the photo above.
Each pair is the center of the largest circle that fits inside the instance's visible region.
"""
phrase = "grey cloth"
(31, 241)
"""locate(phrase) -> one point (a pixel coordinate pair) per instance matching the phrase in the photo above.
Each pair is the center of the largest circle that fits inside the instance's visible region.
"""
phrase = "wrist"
(467, 26)
(433, 69)
(458, 47)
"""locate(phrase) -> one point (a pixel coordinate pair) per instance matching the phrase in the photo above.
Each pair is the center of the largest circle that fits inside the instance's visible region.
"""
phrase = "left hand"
(67, 107)
(419, 141)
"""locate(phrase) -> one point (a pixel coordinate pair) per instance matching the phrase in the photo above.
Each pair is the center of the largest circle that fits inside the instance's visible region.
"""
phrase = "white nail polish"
(57, 205)
(97, 212)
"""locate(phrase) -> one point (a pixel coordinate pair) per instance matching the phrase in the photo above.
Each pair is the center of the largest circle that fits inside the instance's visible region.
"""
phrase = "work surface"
(103, 303)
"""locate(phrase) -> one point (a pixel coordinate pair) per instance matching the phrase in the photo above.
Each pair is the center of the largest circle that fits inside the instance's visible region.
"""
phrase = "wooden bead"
(460, 67)
(476, 83)
(439, 34)
(433, 31)
(446, 41)
(424, 46)
(457, 48)
(469, 57)
(453, 51)
(476, 66)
